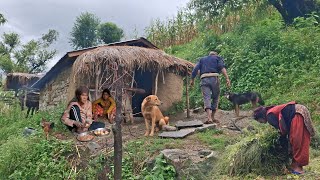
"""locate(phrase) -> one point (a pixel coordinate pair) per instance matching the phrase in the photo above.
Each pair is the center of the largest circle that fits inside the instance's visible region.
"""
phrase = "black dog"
(244, 98)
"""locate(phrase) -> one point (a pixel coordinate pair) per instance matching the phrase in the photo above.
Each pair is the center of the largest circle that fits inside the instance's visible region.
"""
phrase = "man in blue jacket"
(210, 67)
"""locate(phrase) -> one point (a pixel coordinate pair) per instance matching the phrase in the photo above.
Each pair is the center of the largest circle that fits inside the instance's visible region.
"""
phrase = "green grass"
(215, 139)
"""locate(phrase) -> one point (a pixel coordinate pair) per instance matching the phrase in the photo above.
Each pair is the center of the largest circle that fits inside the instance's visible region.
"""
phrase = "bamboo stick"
(163, 78)
(156, 84)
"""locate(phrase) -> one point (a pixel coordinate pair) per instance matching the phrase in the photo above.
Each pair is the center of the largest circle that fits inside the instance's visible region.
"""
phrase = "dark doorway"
(144, 80)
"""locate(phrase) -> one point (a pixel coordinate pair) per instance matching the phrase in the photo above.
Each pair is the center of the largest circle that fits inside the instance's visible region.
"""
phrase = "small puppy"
(152, 113)
(46, 126)
(244, 98)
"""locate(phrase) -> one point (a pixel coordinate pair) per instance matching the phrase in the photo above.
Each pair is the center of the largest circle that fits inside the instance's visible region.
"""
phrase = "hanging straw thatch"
(130, 58)
(17, 80)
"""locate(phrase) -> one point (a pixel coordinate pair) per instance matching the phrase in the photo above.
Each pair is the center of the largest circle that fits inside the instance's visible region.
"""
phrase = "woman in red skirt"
(292, 120)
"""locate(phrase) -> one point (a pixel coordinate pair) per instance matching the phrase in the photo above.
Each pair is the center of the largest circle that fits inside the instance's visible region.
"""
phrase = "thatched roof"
(24, 75)
(17, 80)
(132, 57)
(70, 57)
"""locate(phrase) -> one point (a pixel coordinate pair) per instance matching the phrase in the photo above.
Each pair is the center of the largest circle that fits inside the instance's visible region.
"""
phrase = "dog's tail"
(260, 101)
(166, 119)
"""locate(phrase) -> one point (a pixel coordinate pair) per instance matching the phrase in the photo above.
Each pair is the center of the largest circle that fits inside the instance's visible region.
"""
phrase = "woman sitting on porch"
(78, 115)
(104, 106)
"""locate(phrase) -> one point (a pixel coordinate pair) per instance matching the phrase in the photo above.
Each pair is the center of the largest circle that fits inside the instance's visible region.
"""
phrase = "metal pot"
(85, 136)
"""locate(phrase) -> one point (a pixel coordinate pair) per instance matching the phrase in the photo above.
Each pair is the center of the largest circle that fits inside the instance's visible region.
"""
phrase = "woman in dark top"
(292, 120)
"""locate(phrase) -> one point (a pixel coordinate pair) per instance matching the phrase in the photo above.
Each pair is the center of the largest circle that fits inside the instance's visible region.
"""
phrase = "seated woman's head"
(82, 94)
(106, 94)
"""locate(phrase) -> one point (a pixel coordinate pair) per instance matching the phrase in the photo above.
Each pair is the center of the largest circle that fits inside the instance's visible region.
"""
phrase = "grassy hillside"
(281, 62)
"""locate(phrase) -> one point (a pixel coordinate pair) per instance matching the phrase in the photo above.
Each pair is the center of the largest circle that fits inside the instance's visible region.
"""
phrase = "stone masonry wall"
(56, 91)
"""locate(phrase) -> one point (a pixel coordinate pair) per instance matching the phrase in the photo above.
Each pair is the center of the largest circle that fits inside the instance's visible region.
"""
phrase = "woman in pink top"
(78, 115)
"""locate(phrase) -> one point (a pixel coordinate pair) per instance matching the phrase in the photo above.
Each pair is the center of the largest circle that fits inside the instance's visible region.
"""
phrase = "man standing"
(210, 67)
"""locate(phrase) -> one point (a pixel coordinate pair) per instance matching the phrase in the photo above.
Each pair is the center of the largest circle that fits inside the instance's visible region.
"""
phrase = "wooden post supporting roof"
(117, 128)
(187, 95)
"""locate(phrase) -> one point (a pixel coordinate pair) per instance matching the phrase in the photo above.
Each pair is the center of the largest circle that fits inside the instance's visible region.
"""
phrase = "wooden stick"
(156, 84)
(98, 72)
(78, 151)
(187, 96)
(163, 78)
(132, 81)
(71, 168)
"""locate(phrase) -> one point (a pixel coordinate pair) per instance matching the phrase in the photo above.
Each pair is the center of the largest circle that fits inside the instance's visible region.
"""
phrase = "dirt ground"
(227, 119)
(228, 123)
(104, 144)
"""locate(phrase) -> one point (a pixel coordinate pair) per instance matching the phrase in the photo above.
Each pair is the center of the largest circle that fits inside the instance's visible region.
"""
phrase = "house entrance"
(144, 80)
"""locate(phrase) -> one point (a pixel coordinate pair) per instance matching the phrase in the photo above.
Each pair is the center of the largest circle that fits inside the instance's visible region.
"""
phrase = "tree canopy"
(30, 57)
(2, 19)
(290, 9)
(87, 31)
(84, 31)
(109, 32)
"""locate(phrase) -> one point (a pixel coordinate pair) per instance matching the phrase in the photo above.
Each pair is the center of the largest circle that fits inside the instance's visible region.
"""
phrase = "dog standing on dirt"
(152, 113)
(244, 98)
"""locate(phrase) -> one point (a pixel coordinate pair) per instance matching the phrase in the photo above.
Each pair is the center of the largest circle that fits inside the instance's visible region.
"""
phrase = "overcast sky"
(32, 18)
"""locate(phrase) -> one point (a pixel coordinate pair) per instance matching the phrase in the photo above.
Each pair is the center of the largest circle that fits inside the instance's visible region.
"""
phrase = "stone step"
(188, 124)
(187, 131)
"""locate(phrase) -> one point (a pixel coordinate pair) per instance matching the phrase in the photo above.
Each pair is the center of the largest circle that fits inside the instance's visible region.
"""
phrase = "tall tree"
(31, 57)
(84, 31)
(109, 32)
(290, 9)
(212, 8)
(2, 19)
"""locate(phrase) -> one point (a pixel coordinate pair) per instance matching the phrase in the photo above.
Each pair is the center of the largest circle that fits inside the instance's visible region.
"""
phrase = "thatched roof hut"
(15, 81)
(131, 58)
(145, 67)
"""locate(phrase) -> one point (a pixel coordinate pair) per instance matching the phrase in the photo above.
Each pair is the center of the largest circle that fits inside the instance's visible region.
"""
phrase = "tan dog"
(152, 113)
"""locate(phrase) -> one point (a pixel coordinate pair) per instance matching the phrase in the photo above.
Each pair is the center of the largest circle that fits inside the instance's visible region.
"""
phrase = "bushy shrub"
(34, 158)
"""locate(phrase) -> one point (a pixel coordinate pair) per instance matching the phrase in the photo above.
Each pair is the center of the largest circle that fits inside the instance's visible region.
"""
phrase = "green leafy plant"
(162, 170)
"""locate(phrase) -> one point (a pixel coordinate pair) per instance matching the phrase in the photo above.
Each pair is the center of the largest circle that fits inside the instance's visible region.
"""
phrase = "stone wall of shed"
(170, 91)
(56, 91)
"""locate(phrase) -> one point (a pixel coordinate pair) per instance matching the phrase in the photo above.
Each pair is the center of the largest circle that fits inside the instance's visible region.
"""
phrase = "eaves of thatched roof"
(132, 57)
(26, 75)
(22, 77)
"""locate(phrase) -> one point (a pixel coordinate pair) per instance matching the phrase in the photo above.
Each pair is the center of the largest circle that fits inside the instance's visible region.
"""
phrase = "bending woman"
(292, 120)
(78, 115)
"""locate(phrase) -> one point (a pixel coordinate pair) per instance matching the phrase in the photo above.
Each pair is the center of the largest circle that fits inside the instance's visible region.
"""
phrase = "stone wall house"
(144, 67)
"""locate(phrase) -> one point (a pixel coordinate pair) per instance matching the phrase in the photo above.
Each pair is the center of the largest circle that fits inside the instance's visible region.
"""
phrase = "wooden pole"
(187, 95)
(98, 72)
(132, 80)
(117, 128)
(156, 84)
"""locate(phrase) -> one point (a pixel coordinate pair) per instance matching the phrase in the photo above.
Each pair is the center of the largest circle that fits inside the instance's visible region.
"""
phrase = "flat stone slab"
(187, 124)
(93, 146)
(177, 134)
(187, 131)
(175, 155)
(205, 127)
